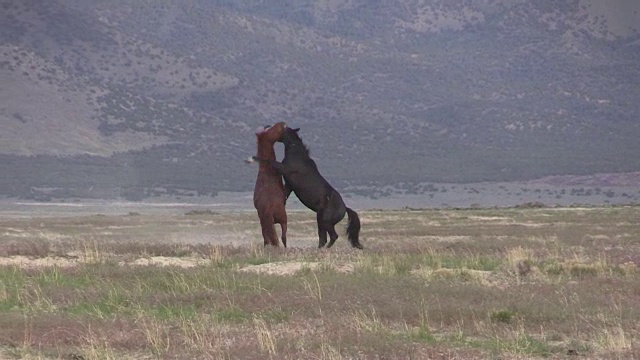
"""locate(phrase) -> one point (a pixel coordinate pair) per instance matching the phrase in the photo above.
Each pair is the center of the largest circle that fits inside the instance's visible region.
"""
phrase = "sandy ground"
(282, 268)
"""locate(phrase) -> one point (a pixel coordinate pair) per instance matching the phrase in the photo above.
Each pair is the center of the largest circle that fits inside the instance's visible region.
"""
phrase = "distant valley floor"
(429, 196)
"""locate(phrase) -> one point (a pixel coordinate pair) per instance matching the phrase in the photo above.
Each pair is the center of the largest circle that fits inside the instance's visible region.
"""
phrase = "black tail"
(353, 229)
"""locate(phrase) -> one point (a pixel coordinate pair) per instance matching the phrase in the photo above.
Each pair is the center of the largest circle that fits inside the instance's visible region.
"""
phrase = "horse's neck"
(266, 151)
(296, 149)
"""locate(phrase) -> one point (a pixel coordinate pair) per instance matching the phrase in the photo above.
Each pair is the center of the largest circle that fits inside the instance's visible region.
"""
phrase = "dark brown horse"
(268, 195)
(301, 176)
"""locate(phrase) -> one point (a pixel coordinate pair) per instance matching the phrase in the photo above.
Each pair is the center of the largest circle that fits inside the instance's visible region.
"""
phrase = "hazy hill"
(122, 98)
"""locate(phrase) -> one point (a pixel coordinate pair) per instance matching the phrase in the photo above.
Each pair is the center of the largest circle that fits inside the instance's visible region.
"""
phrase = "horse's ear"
(296, 129)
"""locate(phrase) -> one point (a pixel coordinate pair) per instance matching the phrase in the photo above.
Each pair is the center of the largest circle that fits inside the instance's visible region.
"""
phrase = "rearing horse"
(301, 176)
(268, 194)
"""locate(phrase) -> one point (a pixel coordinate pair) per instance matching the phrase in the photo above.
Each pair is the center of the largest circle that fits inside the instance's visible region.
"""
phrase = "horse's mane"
(296, 141)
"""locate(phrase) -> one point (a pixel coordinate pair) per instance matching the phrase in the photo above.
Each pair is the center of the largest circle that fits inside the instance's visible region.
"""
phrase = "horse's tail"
(353, 229)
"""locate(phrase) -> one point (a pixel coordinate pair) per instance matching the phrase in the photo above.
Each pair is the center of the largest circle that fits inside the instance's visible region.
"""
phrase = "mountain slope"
(136, 99)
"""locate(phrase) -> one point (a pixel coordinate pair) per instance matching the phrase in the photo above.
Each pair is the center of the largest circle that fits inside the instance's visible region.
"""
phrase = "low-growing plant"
(502, 316)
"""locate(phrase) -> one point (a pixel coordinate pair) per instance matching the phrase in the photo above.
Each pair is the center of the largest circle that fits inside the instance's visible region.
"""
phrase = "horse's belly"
(268, 193)
(312, 200)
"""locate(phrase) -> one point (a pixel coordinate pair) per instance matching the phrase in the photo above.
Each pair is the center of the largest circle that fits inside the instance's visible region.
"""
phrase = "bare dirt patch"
(490, 218)
(182, 262)
(291, 267)
(27, 262)
(281, 268)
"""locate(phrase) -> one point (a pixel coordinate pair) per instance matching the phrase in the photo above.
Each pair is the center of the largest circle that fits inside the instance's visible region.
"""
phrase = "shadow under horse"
(268, 195)
(301, 176)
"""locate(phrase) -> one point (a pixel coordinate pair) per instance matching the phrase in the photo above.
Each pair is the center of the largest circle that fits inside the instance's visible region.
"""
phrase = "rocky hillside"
(136, 99)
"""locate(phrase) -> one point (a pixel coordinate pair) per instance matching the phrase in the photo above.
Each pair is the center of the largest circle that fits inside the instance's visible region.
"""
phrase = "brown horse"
(268, 195)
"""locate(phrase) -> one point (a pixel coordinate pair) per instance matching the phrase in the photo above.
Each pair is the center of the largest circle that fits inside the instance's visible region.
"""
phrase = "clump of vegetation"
(502, 316)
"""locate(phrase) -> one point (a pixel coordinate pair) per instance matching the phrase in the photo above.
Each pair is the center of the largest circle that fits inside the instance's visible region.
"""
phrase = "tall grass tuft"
(265, 336)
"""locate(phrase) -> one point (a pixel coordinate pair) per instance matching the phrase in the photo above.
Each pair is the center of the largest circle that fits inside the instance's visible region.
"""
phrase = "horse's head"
(272, 133)
(293, 143)
(290, 136)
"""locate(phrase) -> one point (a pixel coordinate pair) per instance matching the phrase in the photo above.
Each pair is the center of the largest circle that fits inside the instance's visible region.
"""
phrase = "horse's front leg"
(287, 192)
(283, 227)
(322, 230)
(279, 167)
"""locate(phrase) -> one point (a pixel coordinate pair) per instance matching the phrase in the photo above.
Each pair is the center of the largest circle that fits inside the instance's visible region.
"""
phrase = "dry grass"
(455, 284)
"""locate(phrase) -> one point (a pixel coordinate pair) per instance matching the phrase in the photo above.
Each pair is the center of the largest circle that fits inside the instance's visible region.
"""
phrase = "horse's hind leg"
(333, 235)
(269, 232)
(280, 217)
(322, 231)
(283, 227)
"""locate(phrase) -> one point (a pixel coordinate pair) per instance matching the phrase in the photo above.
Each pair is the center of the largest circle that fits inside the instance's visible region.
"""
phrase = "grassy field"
(433, 284)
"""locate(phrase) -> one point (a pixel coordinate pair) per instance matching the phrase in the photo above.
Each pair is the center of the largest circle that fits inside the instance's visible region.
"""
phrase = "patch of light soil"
(31, 263)
(276, 268)
(449, 238)
(291, 267)
(532, 225)
(168, 261)
(489, 218)
(27, 262)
